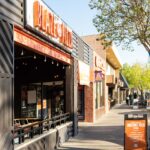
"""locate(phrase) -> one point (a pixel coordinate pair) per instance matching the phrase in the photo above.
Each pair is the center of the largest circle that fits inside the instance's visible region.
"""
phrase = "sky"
(78, 15)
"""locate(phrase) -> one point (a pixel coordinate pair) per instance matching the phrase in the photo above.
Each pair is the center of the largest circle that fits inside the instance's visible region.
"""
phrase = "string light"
(57, 64)
(22, 53)
(34, 57)
(52, 62)
(63, 67)
(45, 59)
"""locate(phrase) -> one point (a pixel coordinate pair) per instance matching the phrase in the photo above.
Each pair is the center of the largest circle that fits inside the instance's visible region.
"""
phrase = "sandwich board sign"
(135, 132)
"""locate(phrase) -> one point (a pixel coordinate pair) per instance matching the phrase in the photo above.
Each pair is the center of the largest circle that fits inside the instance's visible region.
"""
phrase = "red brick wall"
(88, 98)
(95, 44)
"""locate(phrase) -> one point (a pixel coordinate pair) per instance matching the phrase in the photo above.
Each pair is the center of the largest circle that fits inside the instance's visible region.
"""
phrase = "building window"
(99, 100)
(102, 102)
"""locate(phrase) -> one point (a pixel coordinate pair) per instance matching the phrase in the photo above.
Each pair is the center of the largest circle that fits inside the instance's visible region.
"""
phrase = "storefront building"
(124, 88)
(95, 103)
(83, 63)
(113, 82)
(40, 57)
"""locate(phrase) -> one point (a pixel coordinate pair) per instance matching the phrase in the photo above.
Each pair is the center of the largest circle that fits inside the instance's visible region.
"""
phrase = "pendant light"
(45, 59)
(22, 53)
(34, 57)
(57, 64)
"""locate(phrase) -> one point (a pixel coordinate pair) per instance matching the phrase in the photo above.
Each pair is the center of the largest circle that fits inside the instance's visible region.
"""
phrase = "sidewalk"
(106, 134)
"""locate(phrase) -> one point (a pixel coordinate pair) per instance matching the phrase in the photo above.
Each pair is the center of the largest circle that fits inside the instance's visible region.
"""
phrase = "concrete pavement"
(106, 134)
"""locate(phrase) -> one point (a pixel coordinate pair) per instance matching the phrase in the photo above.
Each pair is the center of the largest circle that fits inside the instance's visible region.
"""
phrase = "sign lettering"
(41, 18)
(135, 135)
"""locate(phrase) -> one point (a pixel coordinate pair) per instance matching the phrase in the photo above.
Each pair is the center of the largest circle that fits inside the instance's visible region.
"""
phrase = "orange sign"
(39, 104)
(44, 104)
(135, 135)
(38, 45)
(41, 18)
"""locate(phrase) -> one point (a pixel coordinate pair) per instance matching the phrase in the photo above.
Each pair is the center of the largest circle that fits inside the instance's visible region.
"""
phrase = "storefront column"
(107, 101)
(71, 95)
(75, 95)
(118, 95)
(6, 84)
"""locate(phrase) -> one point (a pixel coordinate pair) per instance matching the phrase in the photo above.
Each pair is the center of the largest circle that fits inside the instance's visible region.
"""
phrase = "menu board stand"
(135, 132)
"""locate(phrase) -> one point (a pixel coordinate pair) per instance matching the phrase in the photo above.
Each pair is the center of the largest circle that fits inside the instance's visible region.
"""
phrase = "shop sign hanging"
(42, 19)
(84, 73)
(99, 76)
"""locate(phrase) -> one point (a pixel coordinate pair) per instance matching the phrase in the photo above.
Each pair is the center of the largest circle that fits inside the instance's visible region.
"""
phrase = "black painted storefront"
(19, 71)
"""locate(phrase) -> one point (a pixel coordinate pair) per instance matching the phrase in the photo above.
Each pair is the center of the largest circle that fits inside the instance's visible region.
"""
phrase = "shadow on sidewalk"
(97, 137)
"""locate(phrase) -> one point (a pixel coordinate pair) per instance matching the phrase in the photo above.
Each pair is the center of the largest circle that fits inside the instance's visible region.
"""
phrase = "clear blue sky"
(78, 15)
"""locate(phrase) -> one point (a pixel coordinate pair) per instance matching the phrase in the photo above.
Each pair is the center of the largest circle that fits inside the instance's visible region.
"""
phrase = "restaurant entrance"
(39, 85)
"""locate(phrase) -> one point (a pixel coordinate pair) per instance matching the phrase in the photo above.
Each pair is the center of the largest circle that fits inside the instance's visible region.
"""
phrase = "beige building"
(105, 91)
(95, 100)
(113, 82)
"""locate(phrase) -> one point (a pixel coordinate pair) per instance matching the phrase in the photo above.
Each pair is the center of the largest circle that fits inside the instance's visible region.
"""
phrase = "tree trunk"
(142, 96)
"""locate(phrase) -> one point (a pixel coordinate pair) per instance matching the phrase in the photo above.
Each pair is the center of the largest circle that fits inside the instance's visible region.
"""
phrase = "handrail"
(38, 127)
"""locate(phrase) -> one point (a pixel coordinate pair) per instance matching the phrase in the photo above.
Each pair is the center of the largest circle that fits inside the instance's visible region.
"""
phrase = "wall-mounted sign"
(135, 133)
(41, 47)
(84, 73)
(99, 62)
(99, 76)
(43, 19)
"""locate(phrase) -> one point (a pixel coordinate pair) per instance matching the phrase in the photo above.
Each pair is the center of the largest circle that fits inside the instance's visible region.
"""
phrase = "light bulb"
(34, 57)
(22, 53)
(45, 59)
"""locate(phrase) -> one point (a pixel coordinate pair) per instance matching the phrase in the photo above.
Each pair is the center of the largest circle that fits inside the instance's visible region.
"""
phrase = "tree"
(138, 76)
(123, 21)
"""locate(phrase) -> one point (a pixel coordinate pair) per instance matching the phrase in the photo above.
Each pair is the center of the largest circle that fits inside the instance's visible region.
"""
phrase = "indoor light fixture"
(34, 57)
(52, 62)
(45, 59)
(22, 53)
(63, 67)
(57, 64)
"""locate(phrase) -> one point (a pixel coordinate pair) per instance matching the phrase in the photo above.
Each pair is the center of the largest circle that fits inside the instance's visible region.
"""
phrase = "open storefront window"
(30, 95)
(42, 100)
